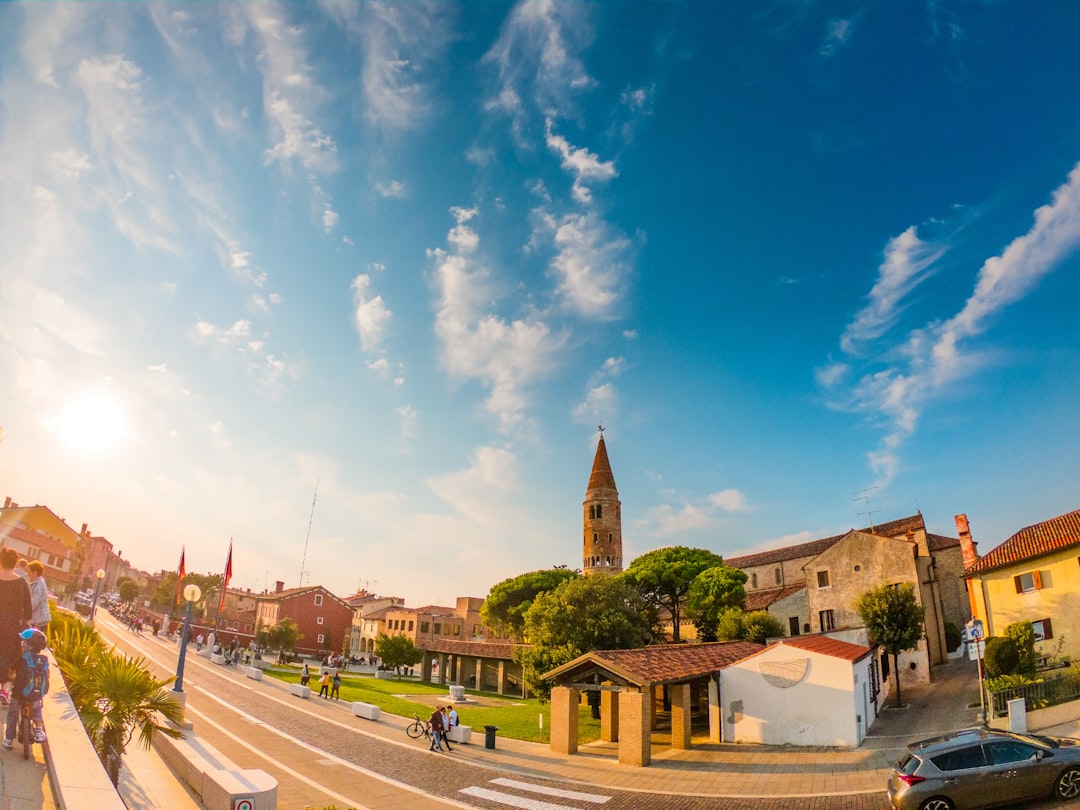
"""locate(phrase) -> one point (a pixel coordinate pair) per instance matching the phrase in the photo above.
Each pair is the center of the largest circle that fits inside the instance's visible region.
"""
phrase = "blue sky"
(414, 253)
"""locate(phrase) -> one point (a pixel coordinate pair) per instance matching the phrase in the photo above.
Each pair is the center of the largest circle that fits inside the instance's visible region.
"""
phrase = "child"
(31, 684)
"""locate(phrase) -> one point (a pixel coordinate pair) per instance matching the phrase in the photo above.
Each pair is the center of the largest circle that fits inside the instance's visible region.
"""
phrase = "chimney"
(7, 502)
(279, 586)
(967, 545)
(84, 529)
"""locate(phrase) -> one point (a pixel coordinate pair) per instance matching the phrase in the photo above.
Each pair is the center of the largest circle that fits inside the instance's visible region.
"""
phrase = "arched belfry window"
(610, 537)
(599, 511)
(595, 538)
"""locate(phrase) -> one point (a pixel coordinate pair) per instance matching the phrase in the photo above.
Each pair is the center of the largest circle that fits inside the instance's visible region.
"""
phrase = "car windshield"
(908, 765)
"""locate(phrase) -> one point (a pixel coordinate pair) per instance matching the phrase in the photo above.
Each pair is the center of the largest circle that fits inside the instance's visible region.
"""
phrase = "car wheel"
(1068, 784)
(937, 803)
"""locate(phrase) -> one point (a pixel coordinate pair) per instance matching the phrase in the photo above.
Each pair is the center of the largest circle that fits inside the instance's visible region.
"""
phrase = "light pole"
(97, 592)
(192, 594)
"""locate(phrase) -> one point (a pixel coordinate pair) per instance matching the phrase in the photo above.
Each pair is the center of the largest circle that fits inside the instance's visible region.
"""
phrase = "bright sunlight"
(93, 423)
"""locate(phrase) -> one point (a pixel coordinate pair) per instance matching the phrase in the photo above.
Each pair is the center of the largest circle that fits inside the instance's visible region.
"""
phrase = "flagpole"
(224, 584)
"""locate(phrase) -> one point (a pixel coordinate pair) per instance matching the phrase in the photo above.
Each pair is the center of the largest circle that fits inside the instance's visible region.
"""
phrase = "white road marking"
(523, 802)
(330, 758)
(595, 798)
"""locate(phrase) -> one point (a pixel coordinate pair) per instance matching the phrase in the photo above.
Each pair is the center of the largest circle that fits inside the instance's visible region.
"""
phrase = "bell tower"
(602, 518)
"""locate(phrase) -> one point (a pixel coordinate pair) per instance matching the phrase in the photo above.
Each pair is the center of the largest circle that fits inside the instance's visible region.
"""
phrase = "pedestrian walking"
(305, 675)
(335, 685)
(324, 684)
(436, 723)
(199, 641)
(446, 729)
(39, 596)
(15, 610)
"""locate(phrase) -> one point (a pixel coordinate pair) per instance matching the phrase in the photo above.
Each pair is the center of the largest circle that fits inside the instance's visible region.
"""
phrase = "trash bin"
(489, 737)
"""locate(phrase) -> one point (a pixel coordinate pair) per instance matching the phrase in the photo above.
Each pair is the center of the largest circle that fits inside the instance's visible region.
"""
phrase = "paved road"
(322, 756)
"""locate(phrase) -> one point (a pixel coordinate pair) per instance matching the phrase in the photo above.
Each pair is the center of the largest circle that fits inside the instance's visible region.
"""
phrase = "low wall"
(215, 779)
(76, 776)
(1040, 719)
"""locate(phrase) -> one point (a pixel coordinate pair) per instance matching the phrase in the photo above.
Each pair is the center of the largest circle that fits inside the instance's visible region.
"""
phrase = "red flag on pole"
(180, 574)
(227, 577)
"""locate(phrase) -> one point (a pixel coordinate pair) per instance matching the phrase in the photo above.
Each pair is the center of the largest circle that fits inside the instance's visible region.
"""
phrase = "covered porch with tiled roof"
(488, 666)
(635, 687)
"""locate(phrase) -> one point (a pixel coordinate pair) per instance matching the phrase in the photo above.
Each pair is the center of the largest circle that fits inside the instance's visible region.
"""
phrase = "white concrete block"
(300, 691)
(368, 711)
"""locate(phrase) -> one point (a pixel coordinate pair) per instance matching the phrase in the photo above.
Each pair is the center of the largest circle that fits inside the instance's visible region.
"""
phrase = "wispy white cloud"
(908, 262)
(591, 262)
(601, 397)
(507, 356)
(837, 33)
(370, 313)
(582, 164)
(390, 188)
(903, 379)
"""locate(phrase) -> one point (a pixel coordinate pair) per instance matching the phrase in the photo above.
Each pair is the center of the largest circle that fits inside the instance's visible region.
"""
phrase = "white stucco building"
(808, 690)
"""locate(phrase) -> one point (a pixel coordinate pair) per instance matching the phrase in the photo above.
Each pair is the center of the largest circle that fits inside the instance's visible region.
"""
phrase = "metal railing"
(1039, 695)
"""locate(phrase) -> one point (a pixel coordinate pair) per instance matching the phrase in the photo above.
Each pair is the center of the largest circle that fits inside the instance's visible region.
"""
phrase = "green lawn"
(516, 718)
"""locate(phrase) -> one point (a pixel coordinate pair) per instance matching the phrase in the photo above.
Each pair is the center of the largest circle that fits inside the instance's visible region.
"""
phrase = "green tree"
(1023, 636)
(760, 626)
(129, 590)
(712, 592)
(397, 651)
(506, 605)
(663, 578)
(894, 620)
(597, 612)
(283, 636)
(729, 625)
(116, 696)
(164, 596)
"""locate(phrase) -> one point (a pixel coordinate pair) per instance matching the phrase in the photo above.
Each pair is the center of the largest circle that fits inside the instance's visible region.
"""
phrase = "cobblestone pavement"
(316, 743)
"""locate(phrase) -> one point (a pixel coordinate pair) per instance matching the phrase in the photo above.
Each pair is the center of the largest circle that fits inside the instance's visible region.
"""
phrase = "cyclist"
(31, 685)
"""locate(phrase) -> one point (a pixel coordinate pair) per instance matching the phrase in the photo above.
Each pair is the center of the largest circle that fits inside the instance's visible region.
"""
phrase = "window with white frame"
(319, 620)
(321, 638)
(318, 600)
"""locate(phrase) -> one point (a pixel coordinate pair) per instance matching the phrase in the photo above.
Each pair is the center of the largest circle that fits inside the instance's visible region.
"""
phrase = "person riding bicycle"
(31, 685)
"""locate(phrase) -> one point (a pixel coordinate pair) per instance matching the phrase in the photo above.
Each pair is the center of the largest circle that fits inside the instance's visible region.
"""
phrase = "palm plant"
(115, 696)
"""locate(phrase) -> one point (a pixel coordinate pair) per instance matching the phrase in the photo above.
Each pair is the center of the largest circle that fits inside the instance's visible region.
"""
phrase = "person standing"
(451, 716)
(436, 723)
(324, 684)
(305, 675)
(39, 596)
(15, 610)
(335, 685)
(22, 568)
(199, 641)
(446, 729)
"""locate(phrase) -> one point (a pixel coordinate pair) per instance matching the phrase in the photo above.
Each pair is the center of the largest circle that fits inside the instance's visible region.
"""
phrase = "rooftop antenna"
(303, 561)
(864, 495)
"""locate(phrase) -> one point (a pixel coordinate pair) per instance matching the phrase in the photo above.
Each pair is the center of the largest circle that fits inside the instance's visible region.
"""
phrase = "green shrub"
(1001, 657)
(1023, 636)
(953, 638)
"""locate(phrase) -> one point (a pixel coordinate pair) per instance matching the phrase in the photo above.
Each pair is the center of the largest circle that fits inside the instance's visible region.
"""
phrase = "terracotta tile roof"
(502, 650)
(1031, 542)
(828, 646)
(432, 610)
(601, 476)
(893, 528)
(45, 542)
(760, 600)
(668, 663)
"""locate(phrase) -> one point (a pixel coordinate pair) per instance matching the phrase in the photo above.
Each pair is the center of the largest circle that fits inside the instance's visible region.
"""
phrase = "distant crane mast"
(311, 518)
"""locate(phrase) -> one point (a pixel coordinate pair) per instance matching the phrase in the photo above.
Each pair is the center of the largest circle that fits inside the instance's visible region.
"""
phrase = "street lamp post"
(97, 592)
(192, 594)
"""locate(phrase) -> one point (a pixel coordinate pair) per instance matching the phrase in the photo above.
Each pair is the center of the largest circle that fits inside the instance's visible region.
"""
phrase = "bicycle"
(421, 728)
(26, 728)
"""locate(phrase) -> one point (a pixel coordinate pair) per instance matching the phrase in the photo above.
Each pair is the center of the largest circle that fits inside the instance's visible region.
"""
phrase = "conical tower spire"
(602, 517)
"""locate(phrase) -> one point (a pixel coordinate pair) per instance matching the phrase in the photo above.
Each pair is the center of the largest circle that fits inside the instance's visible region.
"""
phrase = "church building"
(602, 517)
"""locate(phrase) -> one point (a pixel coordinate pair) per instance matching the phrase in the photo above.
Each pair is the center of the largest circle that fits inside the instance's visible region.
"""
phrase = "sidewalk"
(24, 783)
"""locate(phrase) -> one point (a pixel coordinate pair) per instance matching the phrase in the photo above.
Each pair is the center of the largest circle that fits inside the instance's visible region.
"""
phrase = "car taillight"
(910, 779)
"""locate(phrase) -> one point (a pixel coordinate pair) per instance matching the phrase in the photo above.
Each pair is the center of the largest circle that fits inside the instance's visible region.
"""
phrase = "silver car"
(984, 768)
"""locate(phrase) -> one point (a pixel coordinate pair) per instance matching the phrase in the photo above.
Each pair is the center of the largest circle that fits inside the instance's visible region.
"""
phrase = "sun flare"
(93, 423)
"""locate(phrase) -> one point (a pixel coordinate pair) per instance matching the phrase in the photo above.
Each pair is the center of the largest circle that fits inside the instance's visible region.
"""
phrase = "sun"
(93, 423)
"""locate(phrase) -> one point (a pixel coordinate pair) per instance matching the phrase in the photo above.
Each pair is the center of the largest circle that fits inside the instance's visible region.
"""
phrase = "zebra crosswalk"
(528, 802)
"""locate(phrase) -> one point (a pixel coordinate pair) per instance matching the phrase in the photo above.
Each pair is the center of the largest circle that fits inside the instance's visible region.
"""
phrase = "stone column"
(680, 715)
(635, 738)
(657, 693)
(609, 716)
(502, 678)
(716, 713)
(480, 673)
(564, 719)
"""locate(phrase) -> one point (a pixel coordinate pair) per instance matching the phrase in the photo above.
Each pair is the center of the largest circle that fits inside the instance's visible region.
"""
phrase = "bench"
(254, 673)
(459, 734)
(368, 711)
(300, 691)
(216, 780)
(385, 675)
(216, 658)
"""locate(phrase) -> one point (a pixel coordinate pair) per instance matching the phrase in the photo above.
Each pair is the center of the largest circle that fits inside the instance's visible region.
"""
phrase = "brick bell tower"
(602, 517)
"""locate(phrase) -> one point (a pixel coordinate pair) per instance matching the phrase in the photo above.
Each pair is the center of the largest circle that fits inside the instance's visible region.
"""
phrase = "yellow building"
(1033, 576)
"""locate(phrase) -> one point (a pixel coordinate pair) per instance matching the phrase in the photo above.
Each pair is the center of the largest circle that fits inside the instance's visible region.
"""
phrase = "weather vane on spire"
(601, 429)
